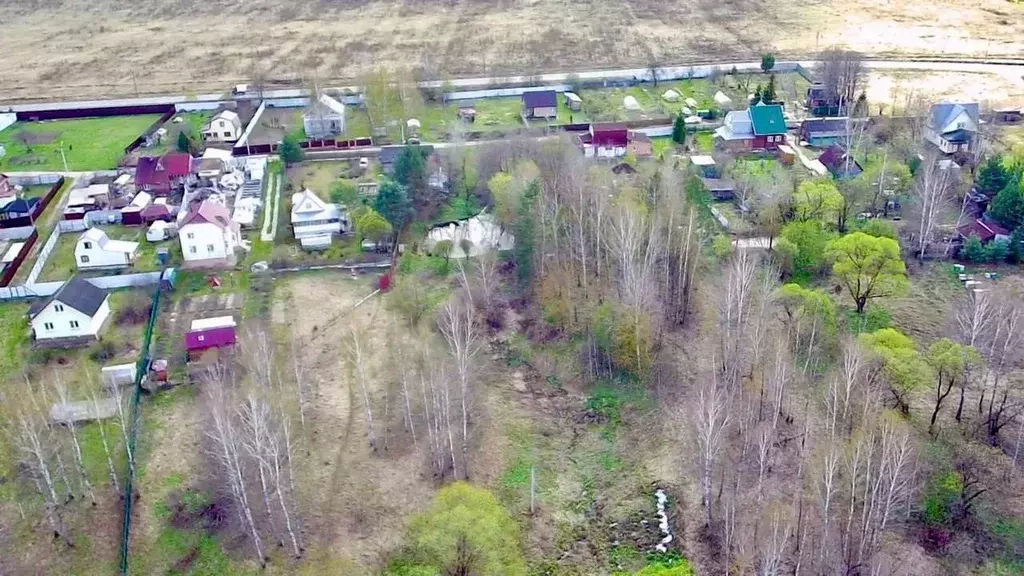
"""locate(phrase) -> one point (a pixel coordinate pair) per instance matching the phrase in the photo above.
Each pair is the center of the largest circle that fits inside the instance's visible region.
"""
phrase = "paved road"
(1011, 71)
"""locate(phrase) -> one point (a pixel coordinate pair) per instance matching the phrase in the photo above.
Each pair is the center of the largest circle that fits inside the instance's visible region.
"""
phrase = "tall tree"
(933, 191)
(290, 151)
(868, 267)
(767, 62)
(393, 203)
(411, 169)
(842, 73)
(679, 130)
(466, 532)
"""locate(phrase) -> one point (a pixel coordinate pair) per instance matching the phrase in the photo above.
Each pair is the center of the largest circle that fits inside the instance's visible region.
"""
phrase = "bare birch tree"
(711, 420)
(459, 327)
(227, 450)
(355, 345)
(933, 190)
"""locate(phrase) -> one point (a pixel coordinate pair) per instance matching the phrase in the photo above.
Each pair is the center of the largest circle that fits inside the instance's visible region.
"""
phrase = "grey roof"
(388, 154)
(540, 99)
(825, 126)
(76, 293)
(942, 114)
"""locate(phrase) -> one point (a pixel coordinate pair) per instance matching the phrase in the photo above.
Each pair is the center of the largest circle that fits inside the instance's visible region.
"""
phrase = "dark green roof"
(767, 119)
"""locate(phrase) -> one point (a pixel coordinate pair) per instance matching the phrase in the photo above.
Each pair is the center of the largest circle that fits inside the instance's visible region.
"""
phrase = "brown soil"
(77, 48)
(36, 138)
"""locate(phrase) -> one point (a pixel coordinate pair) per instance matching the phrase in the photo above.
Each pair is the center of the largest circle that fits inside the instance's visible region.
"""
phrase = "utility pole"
(63, 157)
(533, 489)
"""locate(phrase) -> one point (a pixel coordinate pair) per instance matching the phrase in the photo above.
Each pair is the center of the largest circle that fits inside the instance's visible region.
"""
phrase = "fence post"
(140, 371)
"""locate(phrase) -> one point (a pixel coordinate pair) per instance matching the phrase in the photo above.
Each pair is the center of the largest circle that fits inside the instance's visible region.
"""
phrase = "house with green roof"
(760, 127)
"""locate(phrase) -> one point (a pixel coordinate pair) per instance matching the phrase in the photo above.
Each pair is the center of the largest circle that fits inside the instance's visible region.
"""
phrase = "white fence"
(196, 106)
(504, 92)
(7, 119)
(20, 233)
(37, 268)
(72, 225)
(106, 282)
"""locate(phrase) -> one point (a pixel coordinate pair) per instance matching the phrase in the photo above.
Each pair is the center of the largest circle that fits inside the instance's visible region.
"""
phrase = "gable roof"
(208, 212)
(825, 126)
(985, 230)
(325, 106)
(834, 158)
(767, 119)
(609, 134)
(540, 99)
(20, 206)
(942, 114)
(229, 115)
(76, 293)
(307, 201)
(153, 170)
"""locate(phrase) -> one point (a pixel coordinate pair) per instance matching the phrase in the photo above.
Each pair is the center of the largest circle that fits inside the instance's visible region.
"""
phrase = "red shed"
(162, 174)
(199, 341)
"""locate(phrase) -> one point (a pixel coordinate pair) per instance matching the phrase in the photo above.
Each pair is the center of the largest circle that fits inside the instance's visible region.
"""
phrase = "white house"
(78, 310)
(314, 221)
(952, 127)
(225, 126)
(482, 233)
(95, 250)
(325, 118)
(208, 236)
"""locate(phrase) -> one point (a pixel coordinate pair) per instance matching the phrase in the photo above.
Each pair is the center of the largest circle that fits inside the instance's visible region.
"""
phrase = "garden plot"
(88, 143)
(276, 123)
(61, 264)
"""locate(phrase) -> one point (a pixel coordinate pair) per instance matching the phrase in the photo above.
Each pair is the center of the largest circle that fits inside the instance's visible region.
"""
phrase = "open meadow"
(88, 143)
(106, 48)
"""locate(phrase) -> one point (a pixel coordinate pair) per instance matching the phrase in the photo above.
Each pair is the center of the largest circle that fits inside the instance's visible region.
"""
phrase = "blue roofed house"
(540, 104)
(952, 127)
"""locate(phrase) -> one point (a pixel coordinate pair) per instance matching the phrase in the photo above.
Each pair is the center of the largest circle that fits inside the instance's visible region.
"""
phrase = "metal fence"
(37, 268)
(141, 367)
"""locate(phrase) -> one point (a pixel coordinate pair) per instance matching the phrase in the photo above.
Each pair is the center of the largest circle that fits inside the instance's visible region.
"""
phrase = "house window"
(48, 326)
(209, 247)
(87, 245)
(192, 249)
(190, 235)
(74, 324)
(85, 259)
(58, 307)
(200, 337)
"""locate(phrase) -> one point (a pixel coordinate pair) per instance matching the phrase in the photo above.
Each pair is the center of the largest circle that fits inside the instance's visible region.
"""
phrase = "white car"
(364, 162)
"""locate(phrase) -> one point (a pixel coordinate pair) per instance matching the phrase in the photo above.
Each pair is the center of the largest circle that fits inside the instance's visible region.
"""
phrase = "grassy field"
(192, 122)
(336, 41)
(89, 143)
(45, 224)
(61, 264)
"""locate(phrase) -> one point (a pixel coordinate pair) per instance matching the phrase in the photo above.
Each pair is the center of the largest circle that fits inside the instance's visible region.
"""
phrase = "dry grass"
(79, 48)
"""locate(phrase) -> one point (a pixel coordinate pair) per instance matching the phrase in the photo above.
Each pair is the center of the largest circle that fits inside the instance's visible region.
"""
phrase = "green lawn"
(45, 224)
(704, 141)
(357, 122)
(192, 122)
(61, 263)
(89, 143)
(663, 146)
(498, 113)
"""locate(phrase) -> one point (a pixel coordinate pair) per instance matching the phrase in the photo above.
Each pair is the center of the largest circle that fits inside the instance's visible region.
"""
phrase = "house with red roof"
(208, 236)
(607, 140)
(985, 230)
(163, 174)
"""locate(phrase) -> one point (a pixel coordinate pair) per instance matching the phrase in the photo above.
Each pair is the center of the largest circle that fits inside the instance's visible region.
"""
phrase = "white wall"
(7, 119)
(203, 236)
(62, 319)
(98, 257)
